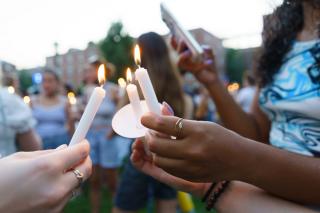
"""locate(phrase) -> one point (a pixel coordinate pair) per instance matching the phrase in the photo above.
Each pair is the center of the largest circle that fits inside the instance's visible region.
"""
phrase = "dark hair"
(51, 72)
(155, 58)
(280, 30)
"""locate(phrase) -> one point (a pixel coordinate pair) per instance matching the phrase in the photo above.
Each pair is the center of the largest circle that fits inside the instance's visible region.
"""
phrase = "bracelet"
(208, 192)
(216, 194)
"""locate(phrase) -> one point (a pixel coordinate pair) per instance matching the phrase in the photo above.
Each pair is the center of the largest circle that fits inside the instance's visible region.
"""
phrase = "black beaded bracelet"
(216, 194)
(205, 197)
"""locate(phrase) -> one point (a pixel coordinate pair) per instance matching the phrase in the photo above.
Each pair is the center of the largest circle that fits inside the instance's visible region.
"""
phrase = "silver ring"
(179, 127)
(79, 176)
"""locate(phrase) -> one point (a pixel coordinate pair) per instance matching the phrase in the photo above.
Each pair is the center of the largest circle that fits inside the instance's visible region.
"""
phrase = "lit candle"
(91, 109)
(134, 97)
(72, 98)
(122, 85)
(11, 89)
(27, 100)
(145, 84)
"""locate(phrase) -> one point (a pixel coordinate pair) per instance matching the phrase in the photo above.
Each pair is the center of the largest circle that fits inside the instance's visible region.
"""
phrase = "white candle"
(90, 111)
(134, 97)
(146, 85)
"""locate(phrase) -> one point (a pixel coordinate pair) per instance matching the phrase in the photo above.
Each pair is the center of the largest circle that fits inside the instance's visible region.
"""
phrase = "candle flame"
(137, 57)
(71, 95)
(26, 99)
(11, 89)
(129, 75)
(72, 98)
(101, 74)
(122, 83)
(233, 87)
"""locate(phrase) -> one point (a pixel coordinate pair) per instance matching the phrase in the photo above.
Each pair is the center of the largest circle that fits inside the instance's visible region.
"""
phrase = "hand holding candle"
(91, 109)
(146, 85)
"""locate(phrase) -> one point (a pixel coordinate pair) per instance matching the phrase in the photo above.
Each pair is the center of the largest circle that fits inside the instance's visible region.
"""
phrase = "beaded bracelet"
(205, 197)
(216, 194)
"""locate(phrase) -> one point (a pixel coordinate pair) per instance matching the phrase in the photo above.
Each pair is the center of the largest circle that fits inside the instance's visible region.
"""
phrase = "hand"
(144, 163)
(204, 70)
(205, 151)
(42, 181)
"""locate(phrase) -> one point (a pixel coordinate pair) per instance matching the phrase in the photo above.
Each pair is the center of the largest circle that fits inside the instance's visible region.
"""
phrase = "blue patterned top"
(292, 101)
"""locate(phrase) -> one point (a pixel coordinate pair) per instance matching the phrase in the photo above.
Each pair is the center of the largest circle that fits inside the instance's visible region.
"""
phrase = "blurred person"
(245, 95)
(136, 188)
(17, 125)
(205, 109)
(43, 181)
(105, 152)
(284, 113)
(52, 111)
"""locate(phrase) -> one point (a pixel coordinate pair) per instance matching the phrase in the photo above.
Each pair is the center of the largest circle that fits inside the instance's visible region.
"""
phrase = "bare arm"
(245, 198)
(254, 125)
(224, 155)
(70, 118)
(29, 141)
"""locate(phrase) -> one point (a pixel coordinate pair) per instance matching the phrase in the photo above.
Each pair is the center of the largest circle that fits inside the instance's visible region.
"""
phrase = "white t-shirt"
(15, 117)
(245, 97)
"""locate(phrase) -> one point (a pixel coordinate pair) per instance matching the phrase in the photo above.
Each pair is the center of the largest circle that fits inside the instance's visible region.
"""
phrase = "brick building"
(70, 65)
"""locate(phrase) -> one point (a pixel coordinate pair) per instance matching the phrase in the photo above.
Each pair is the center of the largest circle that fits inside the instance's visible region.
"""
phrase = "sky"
(29, 28)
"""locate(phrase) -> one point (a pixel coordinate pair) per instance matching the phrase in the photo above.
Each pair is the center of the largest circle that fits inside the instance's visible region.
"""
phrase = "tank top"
(51, 120)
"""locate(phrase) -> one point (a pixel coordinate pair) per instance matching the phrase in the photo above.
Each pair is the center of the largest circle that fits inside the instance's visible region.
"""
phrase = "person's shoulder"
(10, 98)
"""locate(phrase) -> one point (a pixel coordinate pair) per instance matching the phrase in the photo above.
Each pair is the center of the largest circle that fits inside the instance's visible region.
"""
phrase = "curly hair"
(280, 30)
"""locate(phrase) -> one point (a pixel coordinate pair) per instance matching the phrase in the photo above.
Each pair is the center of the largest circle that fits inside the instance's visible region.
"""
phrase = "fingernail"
(63, 146)
(209, 61)
(165, 104)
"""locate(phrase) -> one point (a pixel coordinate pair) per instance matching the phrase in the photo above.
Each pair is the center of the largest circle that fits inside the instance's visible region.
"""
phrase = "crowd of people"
(255, 150)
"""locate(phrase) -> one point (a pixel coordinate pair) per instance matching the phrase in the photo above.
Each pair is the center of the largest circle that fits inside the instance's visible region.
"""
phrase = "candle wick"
(102, 84)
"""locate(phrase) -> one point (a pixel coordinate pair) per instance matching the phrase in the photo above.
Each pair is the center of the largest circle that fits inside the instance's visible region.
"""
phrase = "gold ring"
(179, 127)
(79, 175)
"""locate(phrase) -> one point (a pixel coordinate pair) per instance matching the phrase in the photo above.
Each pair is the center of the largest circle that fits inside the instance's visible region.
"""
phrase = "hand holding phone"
(180, 33)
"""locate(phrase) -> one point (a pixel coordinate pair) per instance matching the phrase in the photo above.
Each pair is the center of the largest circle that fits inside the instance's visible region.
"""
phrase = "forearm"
(287, 175)
(244, 198)
(29, 141)
(232, 116)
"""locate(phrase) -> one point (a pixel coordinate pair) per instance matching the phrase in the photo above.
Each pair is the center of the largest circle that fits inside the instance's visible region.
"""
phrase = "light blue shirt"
(292, 102)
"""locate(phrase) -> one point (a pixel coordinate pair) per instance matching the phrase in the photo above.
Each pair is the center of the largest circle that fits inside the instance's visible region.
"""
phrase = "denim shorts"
(103, 152)
(136, 189)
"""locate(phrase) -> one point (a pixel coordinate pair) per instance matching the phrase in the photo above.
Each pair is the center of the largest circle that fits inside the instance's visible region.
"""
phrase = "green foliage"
(235, 65)
(25, 80)
(116, 48)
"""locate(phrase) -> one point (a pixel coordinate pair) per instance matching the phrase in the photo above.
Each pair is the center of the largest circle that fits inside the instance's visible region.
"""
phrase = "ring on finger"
(179, 127)
(79, 175)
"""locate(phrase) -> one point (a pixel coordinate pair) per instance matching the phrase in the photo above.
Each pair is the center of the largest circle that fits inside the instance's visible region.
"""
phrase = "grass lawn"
(81, 204)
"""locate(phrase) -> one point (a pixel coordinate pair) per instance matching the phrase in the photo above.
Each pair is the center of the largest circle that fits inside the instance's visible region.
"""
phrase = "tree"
(25, 80)
(235, 65)
(117, 47)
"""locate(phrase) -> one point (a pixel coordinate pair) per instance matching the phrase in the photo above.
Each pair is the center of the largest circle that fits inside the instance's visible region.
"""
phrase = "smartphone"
(180, 33)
